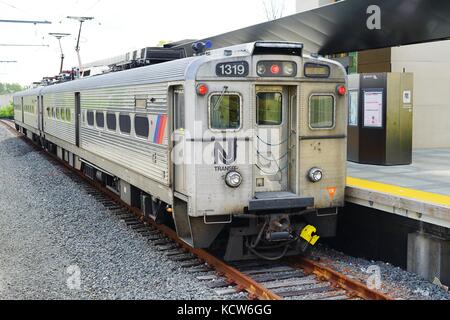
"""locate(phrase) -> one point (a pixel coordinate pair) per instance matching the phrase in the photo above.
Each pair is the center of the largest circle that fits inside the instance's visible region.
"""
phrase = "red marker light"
(342, 90)
(275, 69)
(202, 89)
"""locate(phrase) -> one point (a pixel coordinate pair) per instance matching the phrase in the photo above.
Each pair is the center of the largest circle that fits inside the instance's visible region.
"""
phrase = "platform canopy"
(343, 26)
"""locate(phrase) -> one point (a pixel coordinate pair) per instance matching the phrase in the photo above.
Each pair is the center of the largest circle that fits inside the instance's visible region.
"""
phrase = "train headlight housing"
(315, 175)
(233, 179)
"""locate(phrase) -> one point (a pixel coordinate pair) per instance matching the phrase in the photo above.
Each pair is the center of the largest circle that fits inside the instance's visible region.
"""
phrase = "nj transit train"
(241, 149)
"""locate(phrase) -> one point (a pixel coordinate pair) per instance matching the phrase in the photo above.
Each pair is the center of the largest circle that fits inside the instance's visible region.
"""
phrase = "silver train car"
(242, 149)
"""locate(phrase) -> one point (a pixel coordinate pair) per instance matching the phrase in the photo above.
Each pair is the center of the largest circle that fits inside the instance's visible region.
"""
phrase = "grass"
(7, 112)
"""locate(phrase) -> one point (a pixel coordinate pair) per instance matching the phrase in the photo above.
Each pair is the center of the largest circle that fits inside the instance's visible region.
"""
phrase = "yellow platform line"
(422, 196)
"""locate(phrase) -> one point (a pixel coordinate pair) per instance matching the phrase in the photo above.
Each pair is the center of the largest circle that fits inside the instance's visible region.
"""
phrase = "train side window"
(63, 114)
(90, 118)
(53, 113)
(100, 119)
(125, 123)
(68, 115)
(141, 126)
(111, 121)
(269, 108)
(179, 110)
(58, 113)
(322, 111)
(225, 111)
(48, 112)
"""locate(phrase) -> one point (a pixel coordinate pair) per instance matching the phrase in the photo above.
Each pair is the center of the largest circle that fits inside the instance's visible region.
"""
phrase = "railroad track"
(293, 278)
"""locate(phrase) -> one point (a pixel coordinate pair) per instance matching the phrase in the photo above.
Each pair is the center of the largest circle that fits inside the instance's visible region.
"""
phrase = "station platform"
(420, 191)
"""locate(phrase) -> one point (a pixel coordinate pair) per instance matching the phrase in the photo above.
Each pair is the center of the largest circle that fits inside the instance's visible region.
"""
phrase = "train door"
(40, 103)
(272, 138)
(21, 104)
(179, 174)
(77, 118)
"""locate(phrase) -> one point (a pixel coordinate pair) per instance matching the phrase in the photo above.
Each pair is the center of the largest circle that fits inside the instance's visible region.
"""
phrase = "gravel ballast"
(393, 281)
(51, 229)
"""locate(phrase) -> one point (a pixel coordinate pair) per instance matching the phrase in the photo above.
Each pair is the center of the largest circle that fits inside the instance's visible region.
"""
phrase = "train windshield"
(225, 111)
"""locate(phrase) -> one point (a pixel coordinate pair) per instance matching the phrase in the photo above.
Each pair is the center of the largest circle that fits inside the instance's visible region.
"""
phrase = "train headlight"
(315, 174)
(288, 68)
(262, 69)
(233, 179)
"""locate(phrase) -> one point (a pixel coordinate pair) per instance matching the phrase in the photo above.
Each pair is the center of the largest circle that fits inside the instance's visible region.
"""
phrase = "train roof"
(176, 70)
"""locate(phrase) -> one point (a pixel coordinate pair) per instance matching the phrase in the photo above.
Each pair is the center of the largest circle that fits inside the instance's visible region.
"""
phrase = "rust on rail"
(241, 280)
(353, 287)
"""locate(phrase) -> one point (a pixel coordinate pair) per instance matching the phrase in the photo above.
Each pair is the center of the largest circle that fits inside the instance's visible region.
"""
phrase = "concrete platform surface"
(430, 172)
(420, 191)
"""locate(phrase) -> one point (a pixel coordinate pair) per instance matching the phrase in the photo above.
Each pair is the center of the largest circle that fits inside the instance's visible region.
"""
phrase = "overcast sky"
(119, 26)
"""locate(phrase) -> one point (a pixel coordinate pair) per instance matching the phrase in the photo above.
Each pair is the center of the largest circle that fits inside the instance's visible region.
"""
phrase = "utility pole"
(77, 48)
(59, 36)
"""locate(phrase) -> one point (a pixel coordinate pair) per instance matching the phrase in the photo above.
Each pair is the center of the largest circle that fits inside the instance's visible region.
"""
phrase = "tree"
(161, 43)
(274, 9)
(6, 88)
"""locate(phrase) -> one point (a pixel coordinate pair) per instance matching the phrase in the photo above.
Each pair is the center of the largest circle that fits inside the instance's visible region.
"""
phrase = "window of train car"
(141, 126)
(58, 113)
(225, 111)
(54, 113)
(269, 108)
(180, 110)
(68, 115)
(90, 118)
(125, 124)
(48, 113)
(63, 114)
(100, 119)
(321, 111)
(111, 122)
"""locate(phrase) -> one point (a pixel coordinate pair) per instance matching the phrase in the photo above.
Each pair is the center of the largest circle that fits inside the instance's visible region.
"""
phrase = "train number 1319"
(232, 69)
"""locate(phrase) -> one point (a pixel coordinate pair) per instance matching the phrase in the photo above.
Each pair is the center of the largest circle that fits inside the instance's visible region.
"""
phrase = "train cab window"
(111, 121)
(141, 126)
(100, 119)
(90, 118)
(125, 123)
(269, 108)
(225, 111)
(321, 112)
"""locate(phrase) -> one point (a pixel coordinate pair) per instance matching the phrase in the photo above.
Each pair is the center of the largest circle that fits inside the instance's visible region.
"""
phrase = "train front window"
(269, 108)
(225, 111)
(321, 112)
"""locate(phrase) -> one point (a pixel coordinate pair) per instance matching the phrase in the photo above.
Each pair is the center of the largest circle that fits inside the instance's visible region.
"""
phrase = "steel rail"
(353, 287)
